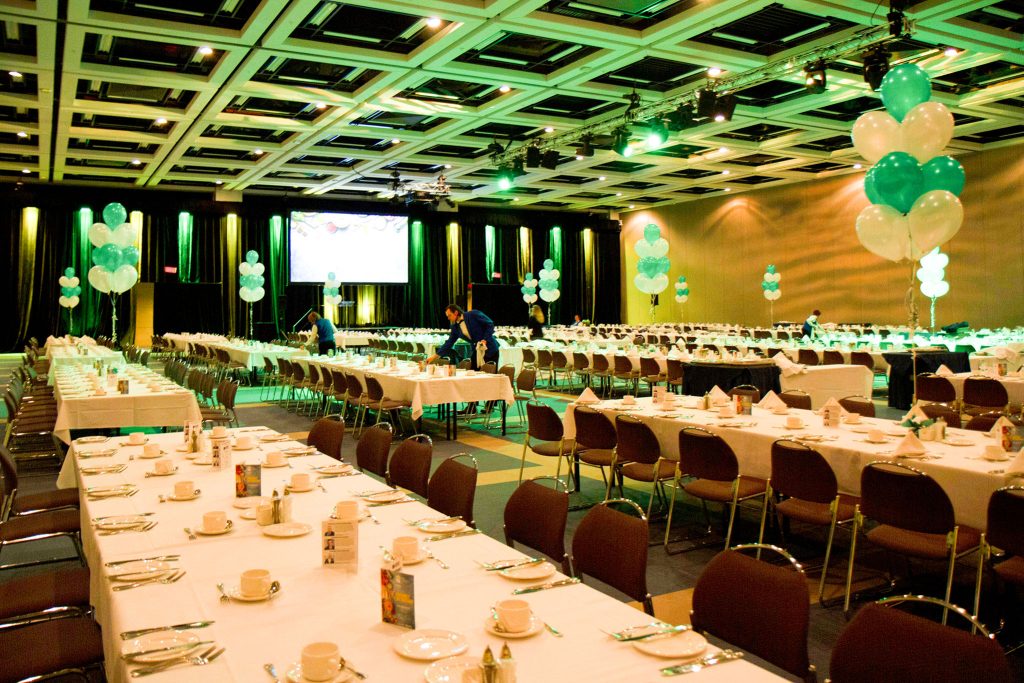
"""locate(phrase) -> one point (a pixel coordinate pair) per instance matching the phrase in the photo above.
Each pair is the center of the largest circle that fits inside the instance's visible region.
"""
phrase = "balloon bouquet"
(529, 288)
(114, 255)
(332, 294)
(770, 289)
(549, 282)
(932, 274)
(651, 277)
(69, 291)
(251, 282)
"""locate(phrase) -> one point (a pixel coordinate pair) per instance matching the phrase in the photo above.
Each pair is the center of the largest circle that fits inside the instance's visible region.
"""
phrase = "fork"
(199, 660)
(320, 485)
(191, 536)
(176, 576)
(431, 555)
(139, 527)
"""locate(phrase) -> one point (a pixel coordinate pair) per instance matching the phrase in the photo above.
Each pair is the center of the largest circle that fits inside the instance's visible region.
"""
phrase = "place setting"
(163, 468)
(118, 491)
(117, 524)
(106, 469)
(215, 523)
(254, 585)
(513, 618)
(319, 663)
(183, 491)
(444, 525)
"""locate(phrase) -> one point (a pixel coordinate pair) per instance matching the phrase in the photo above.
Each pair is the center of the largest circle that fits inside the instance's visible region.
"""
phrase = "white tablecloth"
(826, 381)
(333, 604)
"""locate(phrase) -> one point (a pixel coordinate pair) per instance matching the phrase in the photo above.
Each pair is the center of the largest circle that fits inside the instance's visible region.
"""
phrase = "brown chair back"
(937, 410)
(649, 367)
(801, 472)
(527, 379)
(355, 389)
(580, 361)
(543, 358)
(985, 392)
(985, 421)
(636, 441)
(327, 435)
(706, 456)
(409, 466)
(374, 391)
(674, 368)
(593, 429)
(794, 398)
(906, 498)
(536, 516)
(833, 358)
(759, 607)
(859, 405)
(510, 372)
(452, 488)
(935, 388)
(746, 390)
(529, 356)
(623, 365)
(807, 357)
(600, 363)
(544, 423)
(862, 358)
(611, 546)
(1005, 511)
(372, 449)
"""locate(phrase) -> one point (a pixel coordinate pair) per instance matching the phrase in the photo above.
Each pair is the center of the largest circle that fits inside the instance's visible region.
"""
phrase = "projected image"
(357, 248)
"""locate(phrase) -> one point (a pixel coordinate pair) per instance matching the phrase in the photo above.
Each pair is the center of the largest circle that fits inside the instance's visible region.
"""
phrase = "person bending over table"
(536, 322)
(474, 327)
(324, 329)
(811, 328)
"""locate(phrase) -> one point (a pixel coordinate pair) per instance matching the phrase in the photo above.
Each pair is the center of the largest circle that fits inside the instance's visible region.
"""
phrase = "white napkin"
(788, 367)
(1016, 468)
(997, 428)
(833, 403)
(910, 445)
(916, 414)
(716, 395)
(771, 401)
(943, 371)
(588, 396)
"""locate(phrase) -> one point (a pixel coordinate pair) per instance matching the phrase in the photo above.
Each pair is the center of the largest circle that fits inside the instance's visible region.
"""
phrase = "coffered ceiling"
(330, 98)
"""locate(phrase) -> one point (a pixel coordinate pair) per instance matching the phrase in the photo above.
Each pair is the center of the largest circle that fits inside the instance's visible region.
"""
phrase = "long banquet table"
(318, 603)
(903, 366)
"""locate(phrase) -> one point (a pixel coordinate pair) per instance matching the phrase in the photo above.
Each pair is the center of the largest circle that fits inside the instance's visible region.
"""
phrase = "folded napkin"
(1016, 468)
(943, 371)
(997, 428)
(910, 445)
(916, 414)
(788, 367)
(588, 396)
(771, 401)
(833, 403)
(716, 395)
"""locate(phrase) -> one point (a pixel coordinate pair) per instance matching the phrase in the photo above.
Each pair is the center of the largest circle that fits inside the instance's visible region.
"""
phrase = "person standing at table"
(324, 329)
(536, 322)
(811, 328)
(474, 327)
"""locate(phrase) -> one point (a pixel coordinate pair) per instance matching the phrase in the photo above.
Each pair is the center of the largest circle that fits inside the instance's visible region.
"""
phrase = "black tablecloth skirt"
(699, 378)
(901, 371)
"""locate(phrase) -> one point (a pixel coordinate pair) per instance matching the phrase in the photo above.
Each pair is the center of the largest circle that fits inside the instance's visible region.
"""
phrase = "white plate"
(450, 670)
(91, 439)
(243, 448)
(683, 645)
(159, 640)
(203, 532)
(447, 527)
(268, 465)
(236, 594)
(541, 570)
(111, 492)
(180, 499)
(958, 442)
(335, 469)
(286, 529)
(300, 451)
(100, 453)
(140, 569)
(860, 428)
(295, 675)
(385, 496)
(203, 461)
(121, 522)
(536, 625)
(247, 502)
(876, 441)
(248, 514)
(986, 457)
(274, 437)
(154, 473)
(430, 644)
(292, 489)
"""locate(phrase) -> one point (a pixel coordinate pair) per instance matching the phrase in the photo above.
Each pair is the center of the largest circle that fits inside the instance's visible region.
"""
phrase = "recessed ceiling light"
(618, 194)
(549, 129)
(723, 150)
(218, 182)
(600, 177)
(515, 199)
(728, 189)
(858, 166)
(395, 141)
(433, 22)
(719, 118)
(22, 134)
(136, 162)
(206, 50)
(14, 74)
(320, 105)
(580, 157)
(161, 121)
(257, 151)
(951, 52)
(726, 172)
(632, 206)
(504, 88)
(714, 71)
(25, 170)
(447, 165)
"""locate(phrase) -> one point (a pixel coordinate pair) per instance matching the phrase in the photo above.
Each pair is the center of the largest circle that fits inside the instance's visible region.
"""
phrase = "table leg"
(504, 412)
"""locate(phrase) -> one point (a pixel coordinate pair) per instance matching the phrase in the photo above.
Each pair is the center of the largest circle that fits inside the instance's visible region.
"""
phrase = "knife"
(171, 648)
(545, 586)
(663, 632)
(702, 663)
(142, 559)
(391, 502)
(128, 635)
(500, 567)
(443, 537)
(133, 514)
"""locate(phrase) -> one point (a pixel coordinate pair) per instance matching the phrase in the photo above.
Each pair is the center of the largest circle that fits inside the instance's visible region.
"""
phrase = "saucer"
(175, 497)
(984, 456)
(292, 489)
(154, 473)
(274, 437)
(430, 644)
(386, 496)
(247, 502)
(682, 645)
(203, 461)
(957, 442)
(286, 529)
(876, 441)
(248, 514)
(126, 442)
(532, 572)
(244, 448)
(267, 464)
(295, 675)
(203, 532)
(175, 644)
(152, 457)
(335, 469)
(536, 626)
(235, 592)
(450, 670)
(416, 560)
(446, 527)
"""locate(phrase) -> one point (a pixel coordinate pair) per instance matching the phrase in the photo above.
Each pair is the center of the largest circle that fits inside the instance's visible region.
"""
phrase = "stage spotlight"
(505, 177)
(517, 167)
(586, 148)
(656, 133)
(876, 65)
(620, 141)
(814, 77)
(895, 17)
(681, 118)
(532, 157)
(495, 148)
(549, 159)
(724, 107)
(706, 104)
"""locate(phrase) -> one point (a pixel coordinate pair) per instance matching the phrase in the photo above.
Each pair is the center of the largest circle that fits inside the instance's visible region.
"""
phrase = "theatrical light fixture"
(505, 177)
(656, 133)
(724, 107)
(620, 141)
(532, 157)
(706, 103)
(586, 148)
(876, 65)
(517, 167)
(495, 148)
(549, 159)
(897, 20)
(814, 77)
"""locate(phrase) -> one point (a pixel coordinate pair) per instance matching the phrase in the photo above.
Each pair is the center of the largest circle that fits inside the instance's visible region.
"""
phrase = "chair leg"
(983, 553)
(857, 521)
(828, 551)
(949, 572)
(732, 512)
(608, 488)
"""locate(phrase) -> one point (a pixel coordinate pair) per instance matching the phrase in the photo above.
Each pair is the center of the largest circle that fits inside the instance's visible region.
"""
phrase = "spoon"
(269, 668)
(191, 536)
(224, 597)
(346, 667)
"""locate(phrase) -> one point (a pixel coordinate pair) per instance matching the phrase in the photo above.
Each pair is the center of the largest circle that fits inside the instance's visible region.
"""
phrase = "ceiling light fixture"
(161, 121)
(876, 65)
(620, 141)
(532, 156)
(25, 170)
(257, 151)
(395, 141)
(601, 177)
(505, 177)
(549, 159)
(206, 50)
(657, 133)
(447, 165)
(714, 72)
(897, 20)
(951, 52)
(681, 118)
(706, 103)
(857, 167)
(433, 22)
(504, 88)
(218, 182)
(549, 129)
(22, 134)
(320, 105)
(814, 77)
(586, 148)
(495, 148)
(136, 162)
(16, 75)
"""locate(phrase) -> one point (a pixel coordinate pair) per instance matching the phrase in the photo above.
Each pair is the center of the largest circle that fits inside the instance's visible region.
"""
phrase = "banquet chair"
(464, 364)
(984, 394)
(712, 464)
(45, 595)
(650, 372)
(372, 449)
(14, 505)
(327, 435)
(544, 425)
(382, 404)
(73, 645)
(452, 487)
(225, 414)
(756, 606)
(40, 526)
(357, 398)
(560, 363)
(623, 370)
(915, 518)
(746, 390)
(943, 411)
(886, 645)
(985, 421)
(611, 546)
(269, 379)
(602, 371)
(595, 442)
(314, 384)
(339, 392)
(804, 487)
(858, 404)
(674, 373)
(529, 358)
(862, 358)
(581, 367)
(807, 357)
(544, 360)
(409, 465)
(489, 368)
(1003, 531)
(638, 457)
(832, 358)
(794, 398)
(525, 387)
(326, 392)
(782, 335)
(935, 389)
(536, 516)
(284, 374)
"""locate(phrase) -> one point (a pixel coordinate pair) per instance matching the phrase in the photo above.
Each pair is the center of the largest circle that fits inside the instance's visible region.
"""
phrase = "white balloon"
(768, 294)
(73, 301)
(643, 248)
(876, 134)
(529, 298)
(99, 234)
(884, 231)
(934, 219)
(64, 301)
(258, 293)
(658, 248)
(123, 279)
(658, 283)
(926, 130)
(545, 294)
(99, 278)
(257, 269)
(555, 294)
(681, 298)
(244, 268)
(935, 260)
(64, 281)
(124, 235)
(73, 281)
(531, 283)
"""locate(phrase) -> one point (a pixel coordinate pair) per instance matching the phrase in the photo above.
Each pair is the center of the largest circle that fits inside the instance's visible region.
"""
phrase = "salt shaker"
(507, 670)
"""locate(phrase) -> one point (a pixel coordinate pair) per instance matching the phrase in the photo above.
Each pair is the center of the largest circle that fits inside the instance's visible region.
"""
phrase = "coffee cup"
(275, 458)
(265, 514)
(163, 466)
(407, 548)
(853, 418)
(876, 435)
(346, 510)
(514, 615)
(320, 661)
(300, 481)
(628, 400)
(184, 489)
(136, 438)
(254, 582)
(994, 451)
(151, 450)
(244, 442)
(794, 422)
(219, 432)
(215, 521)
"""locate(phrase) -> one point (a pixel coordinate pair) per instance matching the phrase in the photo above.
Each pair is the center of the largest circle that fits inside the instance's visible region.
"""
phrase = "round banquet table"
(902, 371)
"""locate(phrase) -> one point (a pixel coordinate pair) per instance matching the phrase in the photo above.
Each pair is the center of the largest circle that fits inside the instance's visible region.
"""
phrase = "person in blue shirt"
(474, 327)
(324, 333)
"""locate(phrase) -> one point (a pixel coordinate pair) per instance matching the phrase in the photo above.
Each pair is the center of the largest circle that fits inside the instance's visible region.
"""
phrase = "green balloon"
(869, 187)
(648, 265)
(943, 173)
(129, 256)
(652, 232)
(108, 256)
(69, 272)
(898, 180)
(548, 264)
(771, 268)
(251, 257)
(114, 215)
(903, 88)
